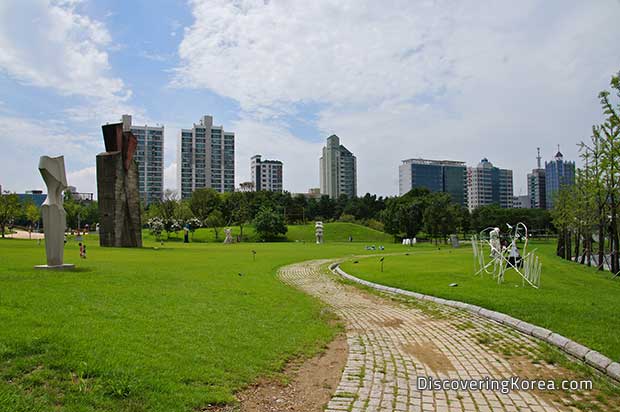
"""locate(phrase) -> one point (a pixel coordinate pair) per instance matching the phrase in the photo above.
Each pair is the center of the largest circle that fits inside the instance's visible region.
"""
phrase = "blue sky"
(394, 79)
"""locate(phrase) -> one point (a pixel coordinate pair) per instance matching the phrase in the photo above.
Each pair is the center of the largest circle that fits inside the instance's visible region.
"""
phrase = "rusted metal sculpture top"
(117, 140)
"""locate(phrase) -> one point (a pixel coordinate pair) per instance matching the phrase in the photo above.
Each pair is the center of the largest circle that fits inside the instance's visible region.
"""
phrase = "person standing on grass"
(81, 250)
(84, 251)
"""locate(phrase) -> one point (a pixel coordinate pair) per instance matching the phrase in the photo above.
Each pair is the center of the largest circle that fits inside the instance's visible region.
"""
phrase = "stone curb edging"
(591, 357)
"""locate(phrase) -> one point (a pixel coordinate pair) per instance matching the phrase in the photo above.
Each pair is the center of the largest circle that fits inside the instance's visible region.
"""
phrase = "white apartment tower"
(487, 184)
(338, 170)
(149, 156)
(266, 174)
(205, 158)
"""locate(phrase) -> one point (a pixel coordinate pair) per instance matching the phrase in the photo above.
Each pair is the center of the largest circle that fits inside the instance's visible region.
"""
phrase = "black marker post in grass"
(381, 260)
(253, 255)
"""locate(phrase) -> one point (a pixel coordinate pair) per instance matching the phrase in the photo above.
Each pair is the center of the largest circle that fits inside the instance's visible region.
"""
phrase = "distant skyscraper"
(558, 173)
(487, 185)
(338, 170)
(536, 186)
(150, 158)
(205, 158)
(266, 174)
(436, 175)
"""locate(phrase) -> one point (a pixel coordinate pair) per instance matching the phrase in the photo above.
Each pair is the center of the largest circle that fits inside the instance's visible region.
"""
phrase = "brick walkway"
(391, 343)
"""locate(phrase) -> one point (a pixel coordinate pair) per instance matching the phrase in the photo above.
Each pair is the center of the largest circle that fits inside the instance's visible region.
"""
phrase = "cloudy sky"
(394, 79)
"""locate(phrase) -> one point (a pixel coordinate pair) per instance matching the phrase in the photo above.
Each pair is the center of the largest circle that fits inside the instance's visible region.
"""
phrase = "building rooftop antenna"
(538, 157)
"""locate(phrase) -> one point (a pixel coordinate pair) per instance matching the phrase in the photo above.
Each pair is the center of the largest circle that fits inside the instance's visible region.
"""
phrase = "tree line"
(419, 211)
(25, 214)
(586, 214)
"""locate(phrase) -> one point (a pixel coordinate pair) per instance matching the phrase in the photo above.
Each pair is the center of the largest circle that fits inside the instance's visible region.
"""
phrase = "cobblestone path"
(391, 343)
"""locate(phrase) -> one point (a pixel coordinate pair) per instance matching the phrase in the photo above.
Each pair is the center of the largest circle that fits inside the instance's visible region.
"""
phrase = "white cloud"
(48, 44)
(170, 176)
(85, 180)
(399, 79)
(25, 140)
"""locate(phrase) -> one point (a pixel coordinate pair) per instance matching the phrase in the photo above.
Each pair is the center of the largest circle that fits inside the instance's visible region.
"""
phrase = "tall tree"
(32, 216)
(215, 220)
(440, 217)
(203, 202)
(269, 224)
(10, 208)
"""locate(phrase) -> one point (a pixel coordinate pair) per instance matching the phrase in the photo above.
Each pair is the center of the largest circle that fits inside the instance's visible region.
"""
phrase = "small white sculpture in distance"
(52, 170)
(228, 238)
(318, 227)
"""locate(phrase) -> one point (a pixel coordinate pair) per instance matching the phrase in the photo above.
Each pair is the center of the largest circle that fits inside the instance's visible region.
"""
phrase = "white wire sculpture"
(526, 264)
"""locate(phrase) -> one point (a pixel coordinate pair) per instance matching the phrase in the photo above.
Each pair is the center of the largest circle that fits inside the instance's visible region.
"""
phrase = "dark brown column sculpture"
(117, 189)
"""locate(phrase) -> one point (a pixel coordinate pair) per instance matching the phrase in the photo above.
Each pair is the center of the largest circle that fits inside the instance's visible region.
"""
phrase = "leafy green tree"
(156, 227)
(183, 213)
(242, 215)
(563, 214)
(404, 215)
(32, 216)
(203, 202)
(10, 208)
(215, 220)
(440, 216)
(269, 224)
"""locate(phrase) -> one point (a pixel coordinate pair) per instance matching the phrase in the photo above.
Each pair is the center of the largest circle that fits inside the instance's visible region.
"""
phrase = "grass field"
(168, 329)
(575, 301)
(334, 232)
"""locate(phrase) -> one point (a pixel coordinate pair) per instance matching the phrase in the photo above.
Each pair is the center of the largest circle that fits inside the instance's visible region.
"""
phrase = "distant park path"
(22, 234)
(393, 342)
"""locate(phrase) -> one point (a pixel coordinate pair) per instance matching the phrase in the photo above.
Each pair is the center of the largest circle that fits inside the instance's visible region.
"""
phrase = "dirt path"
(393, 343)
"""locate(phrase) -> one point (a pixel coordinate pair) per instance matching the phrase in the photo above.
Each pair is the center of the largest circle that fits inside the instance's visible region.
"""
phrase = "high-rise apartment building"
(558, 173)
(436, 175)
(149, 156)
(205, 158)
(266, 174)
(536, 186)
(338, 170)
(487, 185)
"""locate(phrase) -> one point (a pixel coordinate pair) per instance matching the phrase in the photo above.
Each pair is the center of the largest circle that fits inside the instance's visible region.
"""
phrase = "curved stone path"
(393, 342)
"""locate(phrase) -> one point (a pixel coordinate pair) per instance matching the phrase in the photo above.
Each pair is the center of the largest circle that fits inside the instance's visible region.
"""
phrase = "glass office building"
(435, 175)
(558, 173)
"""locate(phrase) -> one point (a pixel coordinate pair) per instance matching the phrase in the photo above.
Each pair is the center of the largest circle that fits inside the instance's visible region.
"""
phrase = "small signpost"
(381, 260)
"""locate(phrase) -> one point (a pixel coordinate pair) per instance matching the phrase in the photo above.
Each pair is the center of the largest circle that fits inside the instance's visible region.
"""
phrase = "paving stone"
(599, 361)
(540, 333)
(557, 340)
(577, 350)
(613, 370)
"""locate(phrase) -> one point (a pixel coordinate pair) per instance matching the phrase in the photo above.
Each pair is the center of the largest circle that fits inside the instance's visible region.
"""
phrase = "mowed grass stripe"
(168, 329)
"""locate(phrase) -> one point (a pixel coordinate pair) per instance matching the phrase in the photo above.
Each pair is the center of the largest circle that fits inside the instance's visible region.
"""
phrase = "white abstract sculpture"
(318, 228)
(527, 264)
(228, 238)
(52, 211)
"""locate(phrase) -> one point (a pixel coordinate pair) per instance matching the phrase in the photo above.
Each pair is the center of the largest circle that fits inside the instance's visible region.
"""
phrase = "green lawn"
(334, 232)
(168, 329)
(575, 301)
